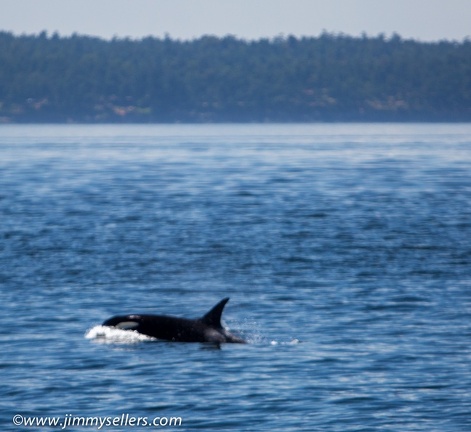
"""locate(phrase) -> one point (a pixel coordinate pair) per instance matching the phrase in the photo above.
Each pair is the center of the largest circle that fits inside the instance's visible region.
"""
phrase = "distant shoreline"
(330, 78)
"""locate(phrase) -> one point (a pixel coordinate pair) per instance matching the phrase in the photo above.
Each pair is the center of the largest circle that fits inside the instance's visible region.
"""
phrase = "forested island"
(49, 78)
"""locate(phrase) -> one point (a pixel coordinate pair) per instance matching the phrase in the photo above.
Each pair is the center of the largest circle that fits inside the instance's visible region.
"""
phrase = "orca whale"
(208, 328)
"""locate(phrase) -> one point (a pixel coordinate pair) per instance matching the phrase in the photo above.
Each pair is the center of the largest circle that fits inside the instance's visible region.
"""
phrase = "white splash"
(291, 342)
(112, 335)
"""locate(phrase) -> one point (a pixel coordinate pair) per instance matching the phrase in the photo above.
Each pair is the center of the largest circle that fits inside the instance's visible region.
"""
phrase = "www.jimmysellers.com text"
(70, 421)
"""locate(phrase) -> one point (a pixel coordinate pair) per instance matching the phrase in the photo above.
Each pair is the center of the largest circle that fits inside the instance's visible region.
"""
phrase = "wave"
(111, 335)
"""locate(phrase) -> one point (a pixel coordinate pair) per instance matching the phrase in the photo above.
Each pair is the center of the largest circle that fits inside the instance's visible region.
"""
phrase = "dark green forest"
(48, 78)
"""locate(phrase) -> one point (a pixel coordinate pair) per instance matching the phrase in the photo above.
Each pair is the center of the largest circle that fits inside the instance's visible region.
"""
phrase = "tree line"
(49, 78)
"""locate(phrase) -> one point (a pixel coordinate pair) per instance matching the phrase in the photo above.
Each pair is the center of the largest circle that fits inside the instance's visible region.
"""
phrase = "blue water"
(345, 249)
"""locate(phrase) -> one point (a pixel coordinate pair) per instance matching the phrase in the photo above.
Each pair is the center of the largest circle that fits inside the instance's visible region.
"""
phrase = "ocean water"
(345, 250)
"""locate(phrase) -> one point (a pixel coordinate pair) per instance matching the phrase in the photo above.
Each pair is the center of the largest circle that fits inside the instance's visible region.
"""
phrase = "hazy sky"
(426, 20)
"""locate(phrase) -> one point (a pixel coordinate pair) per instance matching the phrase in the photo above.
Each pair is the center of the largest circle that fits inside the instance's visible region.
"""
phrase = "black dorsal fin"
(213, 317)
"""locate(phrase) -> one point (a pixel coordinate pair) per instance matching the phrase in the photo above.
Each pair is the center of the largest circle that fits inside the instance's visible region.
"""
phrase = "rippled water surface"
(345, 249)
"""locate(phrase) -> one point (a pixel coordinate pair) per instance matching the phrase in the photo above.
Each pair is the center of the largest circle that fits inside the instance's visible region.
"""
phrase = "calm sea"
(345, 250)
